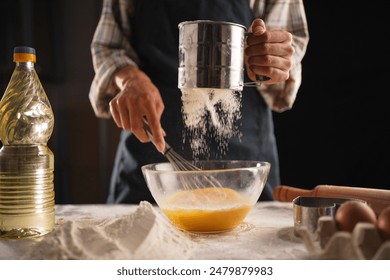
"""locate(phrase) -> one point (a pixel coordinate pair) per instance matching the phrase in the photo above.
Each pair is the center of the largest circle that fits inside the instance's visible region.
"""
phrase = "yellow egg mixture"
(206, 210)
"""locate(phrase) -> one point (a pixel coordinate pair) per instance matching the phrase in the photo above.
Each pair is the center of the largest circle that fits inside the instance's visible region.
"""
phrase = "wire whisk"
(190, 180)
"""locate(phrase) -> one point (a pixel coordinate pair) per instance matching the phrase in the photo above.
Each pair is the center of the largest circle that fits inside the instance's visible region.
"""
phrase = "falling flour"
(210, 112)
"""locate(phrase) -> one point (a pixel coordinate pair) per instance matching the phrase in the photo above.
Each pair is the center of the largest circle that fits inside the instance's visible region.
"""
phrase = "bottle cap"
(24, 54)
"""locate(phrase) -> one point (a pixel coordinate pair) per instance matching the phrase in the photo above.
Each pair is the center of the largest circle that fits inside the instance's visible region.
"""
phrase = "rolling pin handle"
(287, 194)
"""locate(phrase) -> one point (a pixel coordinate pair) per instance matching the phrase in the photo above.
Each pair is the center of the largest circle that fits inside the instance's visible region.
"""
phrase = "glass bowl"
(215, 198)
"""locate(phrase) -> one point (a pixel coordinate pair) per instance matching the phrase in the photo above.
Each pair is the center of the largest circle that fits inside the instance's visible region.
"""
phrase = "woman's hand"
(268, 53)
(138, 98)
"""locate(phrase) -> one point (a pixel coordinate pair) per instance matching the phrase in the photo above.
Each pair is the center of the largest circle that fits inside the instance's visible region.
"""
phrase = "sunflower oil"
(26, 162)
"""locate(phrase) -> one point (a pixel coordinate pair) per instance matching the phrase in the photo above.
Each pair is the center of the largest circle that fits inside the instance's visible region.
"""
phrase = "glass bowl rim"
(256, 165)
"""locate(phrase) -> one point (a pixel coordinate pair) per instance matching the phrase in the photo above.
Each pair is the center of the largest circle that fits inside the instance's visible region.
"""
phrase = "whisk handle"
(147, 130)
(150, 135)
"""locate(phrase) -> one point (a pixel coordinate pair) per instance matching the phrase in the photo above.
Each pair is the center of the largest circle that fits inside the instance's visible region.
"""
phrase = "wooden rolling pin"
(377, 199)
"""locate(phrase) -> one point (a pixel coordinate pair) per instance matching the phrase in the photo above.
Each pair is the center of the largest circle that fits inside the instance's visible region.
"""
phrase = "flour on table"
(143, 234)
(212, 112)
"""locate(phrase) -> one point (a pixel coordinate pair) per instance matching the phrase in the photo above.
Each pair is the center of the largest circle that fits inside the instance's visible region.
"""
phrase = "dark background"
(61, 32)
(338, 131)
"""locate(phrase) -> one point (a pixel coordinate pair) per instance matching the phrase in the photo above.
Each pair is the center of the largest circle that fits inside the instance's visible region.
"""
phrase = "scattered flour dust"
(210, 112)
(143, 234)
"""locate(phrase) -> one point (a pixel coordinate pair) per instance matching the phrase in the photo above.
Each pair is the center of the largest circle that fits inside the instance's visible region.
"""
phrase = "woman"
(135, 55)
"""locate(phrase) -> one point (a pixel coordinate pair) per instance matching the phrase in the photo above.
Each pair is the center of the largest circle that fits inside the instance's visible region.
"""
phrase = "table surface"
(142, 232)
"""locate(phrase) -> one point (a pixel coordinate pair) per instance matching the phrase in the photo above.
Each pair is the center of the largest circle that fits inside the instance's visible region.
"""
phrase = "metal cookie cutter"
(307, 211)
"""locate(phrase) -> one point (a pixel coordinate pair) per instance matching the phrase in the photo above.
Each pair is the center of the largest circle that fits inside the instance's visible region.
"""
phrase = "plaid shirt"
(112, 51)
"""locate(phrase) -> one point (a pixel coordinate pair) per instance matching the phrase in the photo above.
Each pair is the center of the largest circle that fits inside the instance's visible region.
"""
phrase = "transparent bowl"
(213, 199)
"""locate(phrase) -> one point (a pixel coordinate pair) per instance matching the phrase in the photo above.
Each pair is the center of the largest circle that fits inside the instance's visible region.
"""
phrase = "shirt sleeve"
(286, 15)
(111, 51)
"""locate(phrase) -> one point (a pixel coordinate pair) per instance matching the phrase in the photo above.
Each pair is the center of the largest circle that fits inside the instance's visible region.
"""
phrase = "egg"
(352, 212)
(383, 223)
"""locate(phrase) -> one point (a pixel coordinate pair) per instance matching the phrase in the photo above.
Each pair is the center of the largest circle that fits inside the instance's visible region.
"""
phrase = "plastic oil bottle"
(26, 163)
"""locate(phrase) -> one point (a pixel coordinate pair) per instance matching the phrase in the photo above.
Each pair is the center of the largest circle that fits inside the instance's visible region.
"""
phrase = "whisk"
(178, 163)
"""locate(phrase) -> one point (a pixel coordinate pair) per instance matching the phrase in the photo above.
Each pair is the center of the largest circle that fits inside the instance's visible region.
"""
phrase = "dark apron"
(155, 38)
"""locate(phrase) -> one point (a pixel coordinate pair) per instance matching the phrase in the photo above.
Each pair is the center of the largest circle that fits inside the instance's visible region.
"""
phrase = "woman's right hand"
(138, 98)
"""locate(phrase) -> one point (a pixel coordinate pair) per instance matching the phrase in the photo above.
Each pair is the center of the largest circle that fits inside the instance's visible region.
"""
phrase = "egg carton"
(363, 243)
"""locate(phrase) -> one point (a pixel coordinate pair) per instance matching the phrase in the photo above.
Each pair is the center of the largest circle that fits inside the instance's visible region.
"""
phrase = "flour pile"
(212, 112)
(143, 234)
